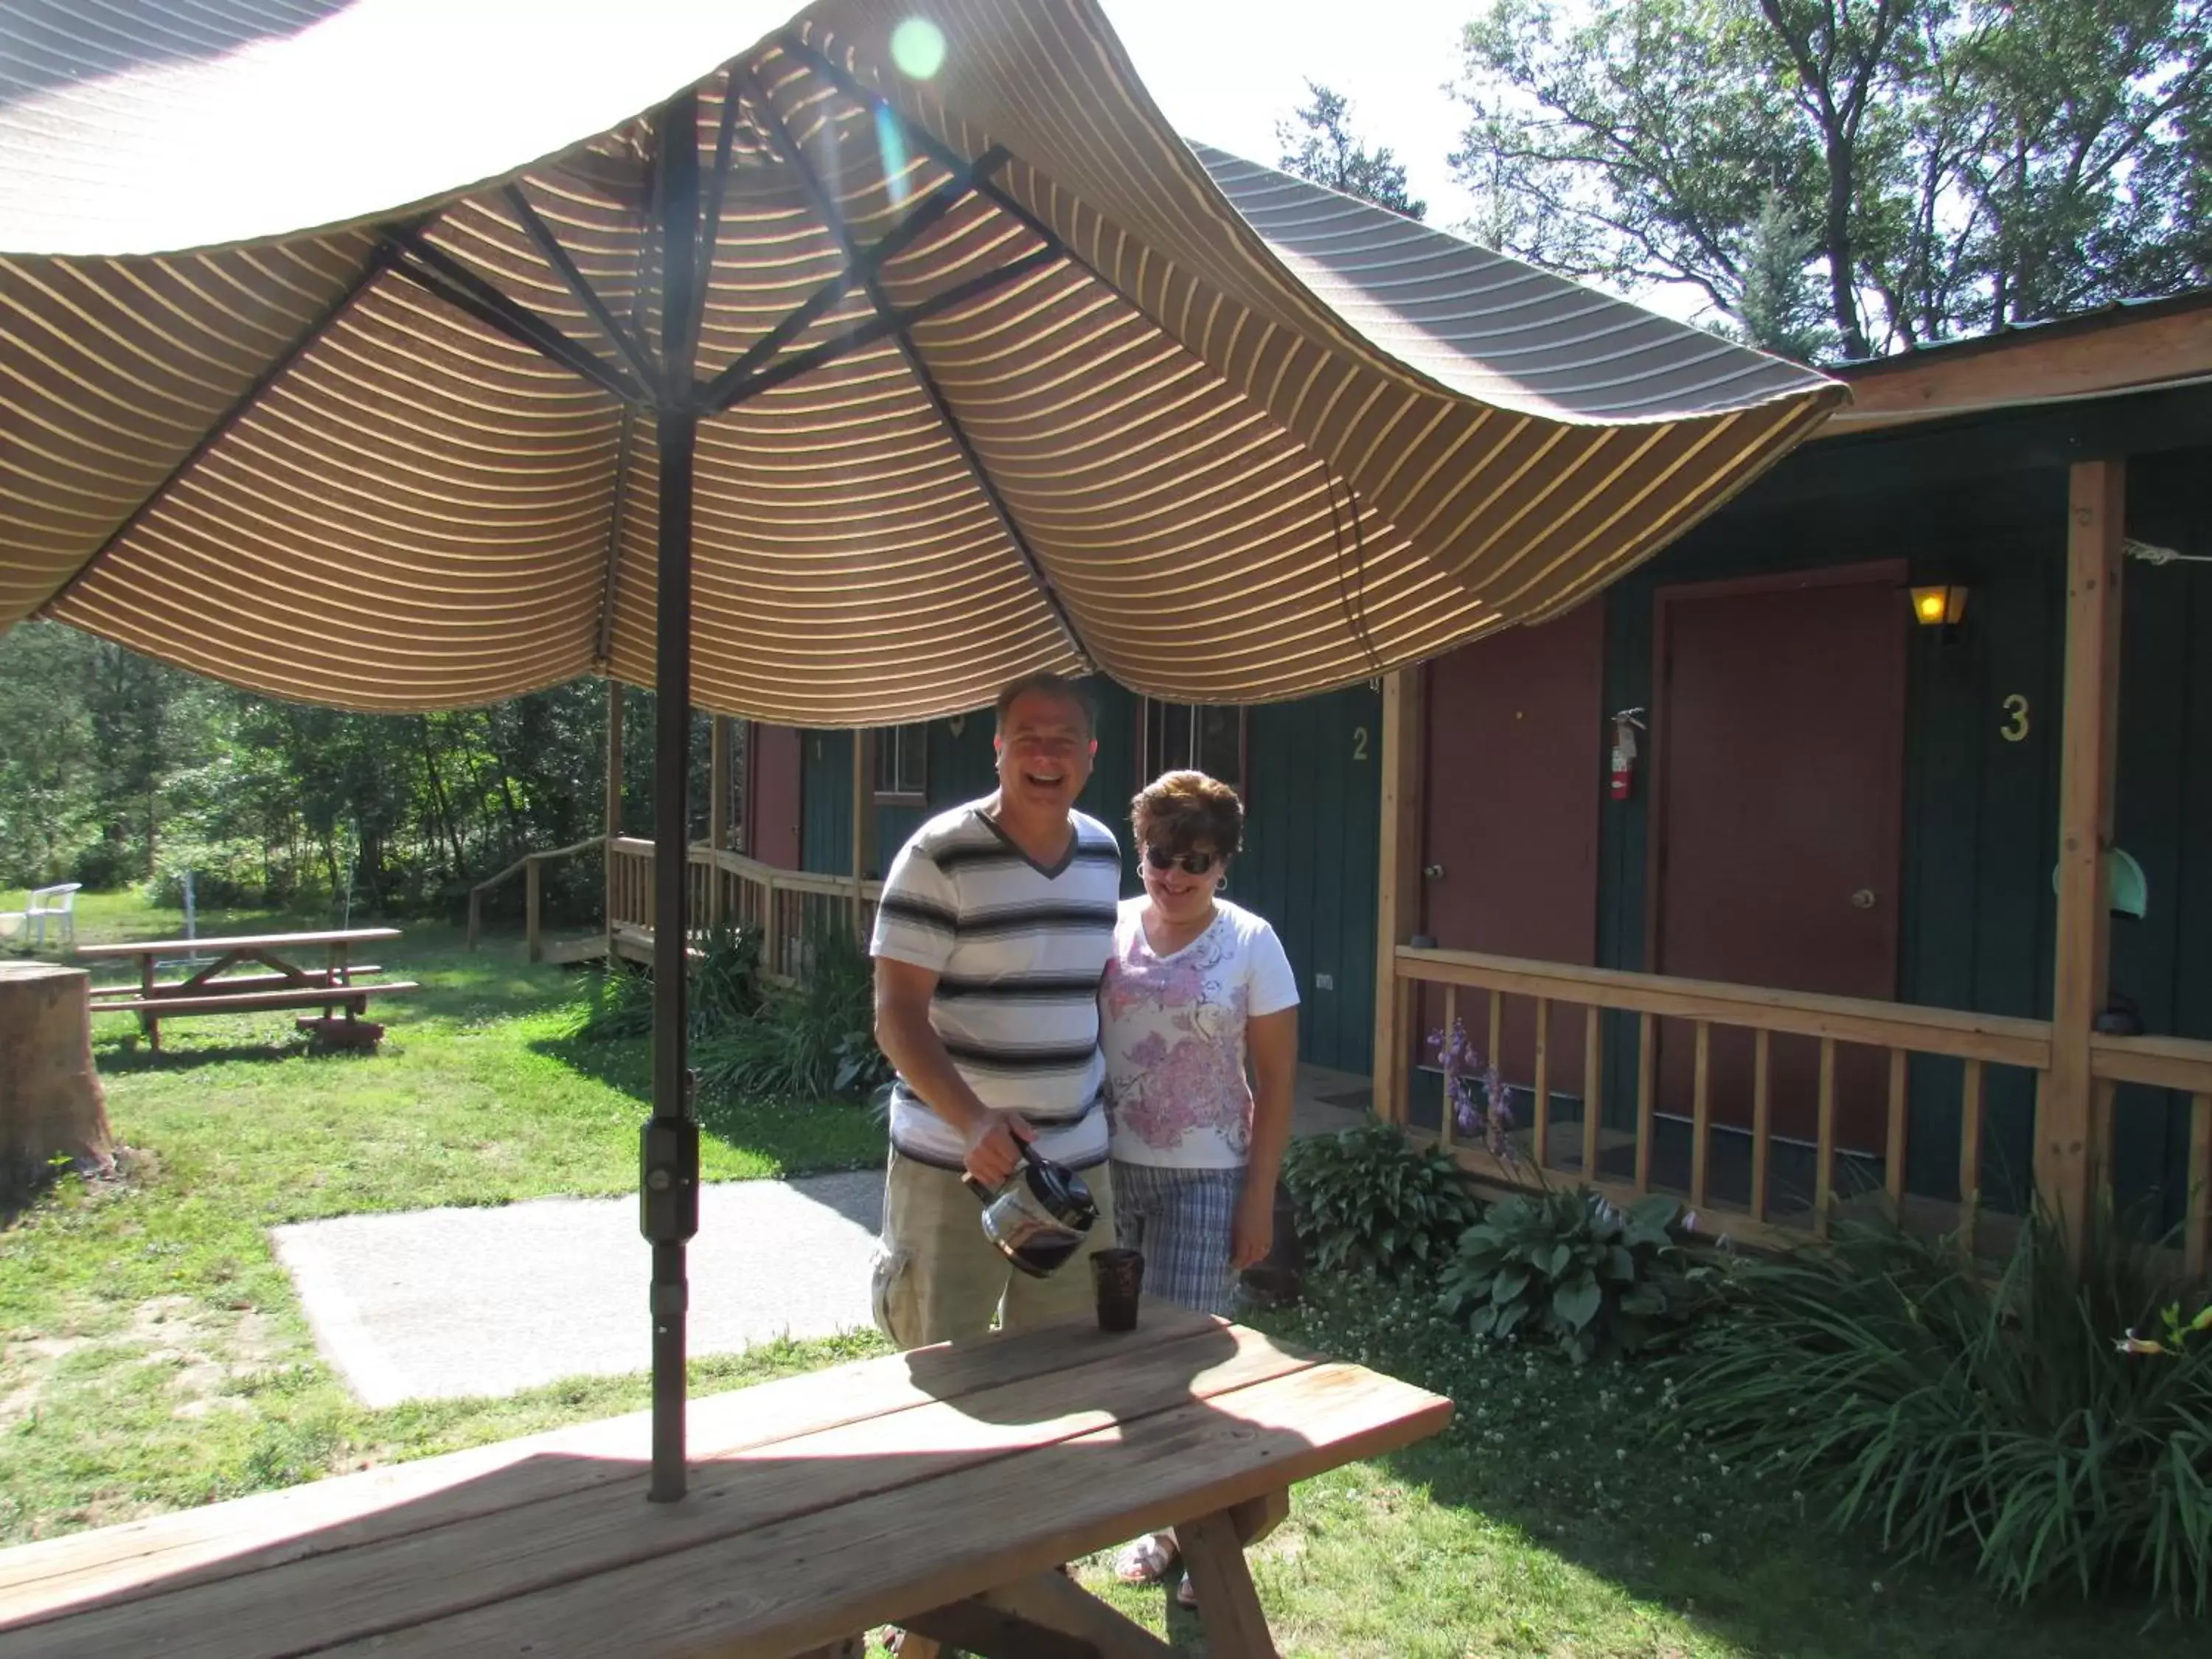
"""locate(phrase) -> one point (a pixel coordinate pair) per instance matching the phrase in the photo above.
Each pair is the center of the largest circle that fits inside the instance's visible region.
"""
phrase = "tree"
(1320, 146)
(1778, 311)
(1956, 165)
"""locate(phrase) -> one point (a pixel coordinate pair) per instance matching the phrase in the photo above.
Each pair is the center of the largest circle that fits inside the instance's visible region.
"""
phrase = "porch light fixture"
(1940, 606)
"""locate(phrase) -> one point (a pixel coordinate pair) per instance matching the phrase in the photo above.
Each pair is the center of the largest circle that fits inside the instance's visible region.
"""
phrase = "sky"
(1226, 71)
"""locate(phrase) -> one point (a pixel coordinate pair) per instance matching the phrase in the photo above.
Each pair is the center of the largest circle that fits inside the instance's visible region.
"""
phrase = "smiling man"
(996, 923)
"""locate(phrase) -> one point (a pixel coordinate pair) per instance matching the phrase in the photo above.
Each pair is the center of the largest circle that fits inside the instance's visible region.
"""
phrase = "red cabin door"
(1778, 824)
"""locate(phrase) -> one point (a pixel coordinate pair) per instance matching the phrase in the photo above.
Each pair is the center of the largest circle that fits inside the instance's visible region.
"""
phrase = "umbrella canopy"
(405, 354)
(330, 367)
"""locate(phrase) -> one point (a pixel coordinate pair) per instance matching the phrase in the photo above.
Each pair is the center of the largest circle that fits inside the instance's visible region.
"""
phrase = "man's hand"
(994, 1146)
(1253, 1233)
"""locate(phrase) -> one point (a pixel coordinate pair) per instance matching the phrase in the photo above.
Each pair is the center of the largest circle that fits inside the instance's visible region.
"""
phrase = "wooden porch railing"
(1478, 989)
(529, 867)
(789, 907)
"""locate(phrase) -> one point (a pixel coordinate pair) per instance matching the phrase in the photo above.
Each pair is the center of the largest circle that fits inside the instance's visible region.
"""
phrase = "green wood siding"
(1313, 841)
(825, 818)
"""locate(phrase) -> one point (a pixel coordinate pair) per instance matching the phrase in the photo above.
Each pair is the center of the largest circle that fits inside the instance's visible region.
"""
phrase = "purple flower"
(1478, 1096)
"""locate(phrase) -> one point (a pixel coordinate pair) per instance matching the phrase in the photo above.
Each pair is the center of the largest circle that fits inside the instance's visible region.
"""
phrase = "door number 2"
(1359, 742)
(2014, 730)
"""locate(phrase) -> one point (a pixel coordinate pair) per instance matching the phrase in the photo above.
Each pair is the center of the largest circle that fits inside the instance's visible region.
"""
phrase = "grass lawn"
(152, 1353)
(154, 1356)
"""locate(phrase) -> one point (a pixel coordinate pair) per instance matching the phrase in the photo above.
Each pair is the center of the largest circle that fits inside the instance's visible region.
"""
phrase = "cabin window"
(1208, 738)
(902, 766)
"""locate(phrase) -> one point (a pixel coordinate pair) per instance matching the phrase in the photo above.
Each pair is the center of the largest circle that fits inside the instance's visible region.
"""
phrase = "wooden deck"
(936, 1489)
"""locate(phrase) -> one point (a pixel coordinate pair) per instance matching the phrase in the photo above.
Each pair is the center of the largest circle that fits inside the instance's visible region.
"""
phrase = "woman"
(1197, 988)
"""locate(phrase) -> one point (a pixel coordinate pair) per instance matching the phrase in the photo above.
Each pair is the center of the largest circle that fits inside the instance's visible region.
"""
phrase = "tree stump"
(51, 1105)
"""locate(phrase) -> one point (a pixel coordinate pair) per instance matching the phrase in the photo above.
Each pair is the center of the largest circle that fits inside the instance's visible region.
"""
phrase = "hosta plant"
(1573, 1269)
(1369, 1201)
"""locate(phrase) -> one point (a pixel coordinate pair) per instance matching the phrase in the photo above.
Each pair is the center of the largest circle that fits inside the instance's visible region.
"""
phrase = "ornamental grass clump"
(2055, 1424)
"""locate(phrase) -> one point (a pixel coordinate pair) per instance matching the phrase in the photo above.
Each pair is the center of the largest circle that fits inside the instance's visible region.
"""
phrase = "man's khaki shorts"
(938, 1277)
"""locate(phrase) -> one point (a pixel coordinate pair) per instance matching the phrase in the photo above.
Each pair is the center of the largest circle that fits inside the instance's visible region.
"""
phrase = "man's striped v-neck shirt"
(1018, 950)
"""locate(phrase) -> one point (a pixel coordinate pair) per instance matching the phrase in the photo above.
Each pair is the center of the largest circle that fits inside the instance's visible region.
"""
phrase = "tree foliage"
(1940, 167)
(116, 769)
(1319, 145)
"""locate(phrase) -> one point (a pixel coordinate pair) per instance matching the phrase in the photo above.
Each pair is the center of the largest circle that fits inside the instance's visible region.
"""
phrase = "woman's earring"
(1221, 883)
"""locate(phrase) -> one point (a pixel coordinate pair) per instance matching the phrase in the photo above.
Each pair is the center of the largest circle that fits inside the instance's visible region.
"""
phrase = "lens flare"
(918, 48)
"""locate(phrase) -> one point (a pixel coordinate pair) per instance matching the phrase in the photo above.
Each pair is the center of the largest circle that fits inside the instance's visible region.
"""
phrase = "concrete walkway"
(448, 1303)
(443, 1304)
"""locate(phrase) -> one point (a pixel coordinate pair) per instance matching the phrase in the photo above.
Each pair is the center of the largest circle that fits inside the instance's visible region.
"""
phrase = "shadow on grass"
(1590, 1472)
(120, 1060)
(793, 1136)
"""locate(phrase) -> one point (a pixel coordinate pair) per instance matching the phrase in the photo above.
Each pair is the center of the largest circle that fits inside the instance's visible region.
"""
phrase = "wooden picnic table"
(937, 1490)
(220, 988)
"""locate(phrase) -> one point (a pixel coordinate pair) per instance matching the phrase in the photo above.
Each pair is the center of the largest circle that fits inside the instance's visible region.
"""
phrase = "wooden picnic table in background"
(336, 987)
(937, 1490)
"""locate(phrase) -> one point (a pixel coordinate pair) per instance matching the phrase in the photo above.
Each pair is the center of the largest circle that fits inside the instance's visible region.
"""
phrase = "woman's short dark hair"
(1182, 811)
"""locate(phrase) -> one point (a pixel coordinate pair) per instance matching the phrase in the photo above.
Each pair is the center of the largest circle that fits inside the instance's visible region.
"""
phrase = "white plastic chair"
(58, 902)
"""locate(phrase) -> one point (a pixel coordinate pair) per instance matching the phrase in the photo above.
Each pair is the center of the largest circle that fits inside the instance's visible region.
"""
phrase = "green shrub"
(815, 1039)
(1369, 1200)
(1570, 1268)
(2014, 1412)
(621, 1005)
(725, 989)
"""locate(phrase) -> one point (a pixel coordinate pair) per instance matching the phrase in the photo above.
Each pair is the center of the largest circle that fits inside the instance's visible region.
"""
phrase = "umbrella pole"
(669, 1192)
(669, 1153)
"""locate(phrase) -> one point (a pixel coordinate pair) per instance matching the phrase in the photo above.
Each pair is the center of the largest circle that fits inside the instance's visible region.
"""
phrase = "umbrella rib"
(879, 328)
(938, 151)
(445, 278)
(620, 510)
(579, 284)
(710, 234)
(380, 260)
(872, 284)
(723, 390)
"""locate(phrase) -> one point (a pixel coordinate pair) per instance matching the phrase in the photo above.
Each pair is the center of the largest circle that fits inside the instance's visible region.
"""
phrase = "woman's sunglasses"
(1191, 864)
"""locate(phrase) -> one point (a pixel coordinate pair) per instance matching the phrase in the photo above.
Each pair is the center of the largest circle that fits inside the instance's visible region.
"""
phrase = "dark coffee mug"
(1118, 1275)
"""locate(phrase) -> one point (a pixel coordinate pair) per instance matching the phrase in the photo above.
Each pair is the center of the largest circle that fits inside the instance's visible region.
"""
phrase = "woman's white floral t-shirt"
(1173, 1030)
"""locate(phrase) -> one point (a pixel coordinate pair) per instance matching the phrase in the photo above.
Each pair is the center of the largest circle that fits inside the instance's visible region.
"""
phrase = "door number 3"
(2014, 730)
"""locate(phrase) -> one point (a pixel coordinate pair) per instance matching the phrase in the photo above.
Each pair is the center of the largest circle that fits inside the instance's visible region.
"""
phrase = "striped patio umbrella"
(407, 354)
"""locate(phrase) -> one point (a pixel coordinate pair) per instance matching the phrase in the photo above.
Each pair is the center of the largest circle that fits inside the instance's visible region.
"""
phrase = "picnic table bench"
(335, 988)
(937, 1490)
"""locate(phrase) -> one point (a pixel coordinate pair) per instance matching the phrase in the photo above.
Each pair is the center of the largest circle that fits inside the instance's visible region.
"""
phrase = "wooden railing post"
(1398, 891)
(2068, 1136)
(864, 824)
(533, 933)
(614, 813)
(718, 811)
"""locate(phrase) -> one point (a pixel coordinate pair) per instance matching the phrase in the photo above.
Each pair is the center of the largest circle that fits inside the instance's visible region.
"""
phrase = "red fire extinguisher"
(1626, 725)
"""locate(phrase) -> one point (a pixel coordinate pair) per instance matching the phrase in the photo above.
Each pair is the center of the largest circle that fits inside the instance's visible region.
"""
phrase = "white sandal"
(1148, 1561)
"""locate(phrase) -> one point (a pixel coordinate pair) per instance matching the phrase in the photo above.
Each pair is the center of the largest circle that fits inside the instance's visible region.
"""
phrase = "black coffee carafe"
(1040, 1219)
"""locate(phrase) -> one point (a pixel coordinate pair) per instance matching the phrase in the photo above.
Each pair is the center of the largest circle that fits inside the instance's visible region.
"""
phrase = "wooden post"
(864, 824)
(51, 1105)
(1398, 891)
(2067, 1136)
(533, 937)
(718, 811)
(614, 814)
